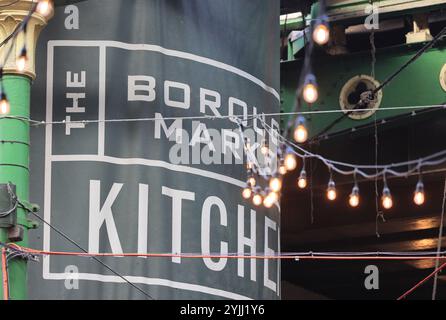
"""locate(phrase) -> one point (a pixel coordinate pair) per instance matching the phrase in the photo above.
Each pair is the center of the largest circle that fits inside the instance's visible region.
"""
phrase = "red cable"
(5, 276)
(422, 282)
(197, 256)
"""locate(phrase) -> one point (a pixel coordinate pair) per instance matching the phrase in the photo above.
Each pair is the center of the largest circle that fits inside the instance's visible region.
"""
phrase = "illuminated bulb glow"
(386, 199)
(321, 34)
(331, 191)
(354, 197)
(275, 184)
(44, 7)
(300, 133)
(4, 105)
(257, 199)
(247, 193)
(419, 196)
(302, 181)
(270, 199)
(21, 62)
(252, 181)
(290, 162)
(282, 170)
(310, 93)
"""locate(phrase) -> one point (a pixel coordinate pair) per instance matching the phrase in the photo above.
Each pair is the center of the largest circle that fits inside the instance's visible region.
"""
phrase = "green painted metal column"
(15, 127)
(14, 168)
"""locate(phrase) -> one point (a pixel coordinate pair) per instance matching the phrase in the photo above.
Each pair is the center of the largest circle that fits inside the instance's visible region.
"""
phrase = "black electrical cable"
(21, 26)
(411, 60)
(81, 248)
(9, 4)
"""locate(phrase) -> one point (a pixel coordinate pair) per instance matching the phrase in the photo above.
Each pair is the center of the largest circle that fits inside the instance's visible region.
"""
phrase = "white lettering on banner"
(212, 206)
(104, 213)
(143, 217)
(245, 241)
(148, 87)
(178, 95)
(213, 105)
(100, 215)
(168, 85)
(206, 232)
(177, 199)
(175, 127)
(73, 81)
(269, 225)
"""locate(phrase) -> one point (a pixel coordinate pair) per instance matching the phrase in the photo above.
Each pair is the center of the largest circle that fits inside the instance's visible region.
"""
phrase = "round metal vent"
(443, 77)
(352, 92)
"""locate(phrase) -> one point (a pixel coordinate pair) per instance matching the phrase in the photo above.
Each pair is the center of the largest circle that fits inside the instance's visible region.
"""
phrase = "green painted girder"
(14, 164)
(418, 85)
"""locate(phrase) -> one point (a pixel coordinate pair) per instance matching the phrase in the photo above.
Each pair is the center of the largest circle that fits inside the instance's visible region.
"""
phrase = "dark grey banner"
(138, 154)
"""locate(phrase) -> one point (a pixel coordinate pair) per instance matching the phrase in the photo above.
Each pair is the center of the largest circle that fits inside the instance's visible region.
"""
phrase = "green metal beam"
(418, 85)
(14, 163)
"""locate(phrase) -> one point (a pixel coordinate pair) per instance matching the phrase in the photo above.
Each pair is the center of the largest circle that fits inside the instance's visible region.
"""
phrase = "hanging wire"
(439, 243)
(431, 160)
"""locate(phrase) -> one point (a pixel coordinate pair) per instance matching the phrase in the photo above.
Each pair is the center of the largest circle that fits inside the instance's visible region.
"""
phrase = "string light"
(275, 184)
(257, 199)
(321, 32)
(4, 104)
(22, 60)
(44, 7)
(353, 200)
(252, 181)
(386, 199)
(310, 92)
(282, 169)
(419, 196)
(302, 181)
(290, 161)
(270, 199)
(247, 192)
(300, 132)
(331, 190)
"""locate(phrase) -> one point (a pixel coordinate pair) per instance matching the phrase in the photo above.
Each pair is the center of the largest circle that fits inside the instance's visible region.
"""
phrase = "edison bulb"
(353, 200)
(354, 197)
(321, 34)
(252, 181)
(268, 202)
(282, 169)
(290, 162)
(386, 199)
(331, 191)
(4, 105)
(275, 184)
(21, 61)
(387, 202)
(247, 193)
(419, 197)
(44, 7)
(274, 196)
(310, 93)
(302, 181)
(257, 199)
(270, 199)
(300, 133)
